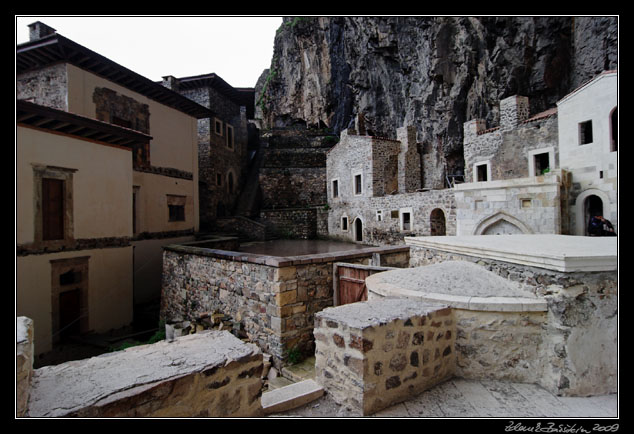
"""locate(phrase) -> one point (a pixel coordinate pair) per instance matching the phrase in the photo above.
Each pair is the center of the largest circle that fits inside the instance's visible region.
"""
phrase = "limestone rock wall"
(431, 72)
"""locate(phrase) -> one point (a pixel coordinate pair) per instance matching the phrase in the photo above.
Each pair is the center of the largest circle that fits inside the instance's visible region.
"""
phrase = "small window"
(379, 215)
(229, 137)
(481, 173)
(585, 132)
(358, 186)
(176, 208)
(177, 213)
(218, 179)
(394, 214)
(335, 188)
(542, 163)
(344, 223)
(218, 127)
(526, 203)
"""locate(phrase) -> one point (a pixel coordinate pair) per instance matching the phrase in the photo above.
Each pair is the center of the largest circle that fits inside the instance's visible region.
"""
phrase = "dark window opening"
(614, 127)
(70, 277)
(335, 188)
(218, 179)
(585, 132)
(176, 213)
(357, 184)
(358, 230)
(344, 223)
(481, 173)
(52, 209)
(394, 214)
(542, 164)
(407, 222)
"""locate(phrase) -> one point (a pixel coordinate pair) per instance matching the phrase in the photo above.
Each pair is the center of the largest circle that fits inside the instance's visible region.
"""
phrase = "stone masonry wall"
(275, 302)
(371, 355)
(23, 363)
(387, 230)
(209, 374)
(47, 86)
(578, 341)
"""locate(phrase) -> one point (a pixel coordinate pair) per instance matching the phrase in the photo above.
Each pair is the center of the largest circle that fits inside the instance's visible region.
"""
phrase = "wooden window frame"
(41, 172)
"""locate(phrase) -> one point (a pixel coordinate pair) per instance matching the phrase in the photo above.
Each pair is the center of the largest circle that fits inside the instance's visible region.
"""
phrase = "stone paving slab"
(462, 398)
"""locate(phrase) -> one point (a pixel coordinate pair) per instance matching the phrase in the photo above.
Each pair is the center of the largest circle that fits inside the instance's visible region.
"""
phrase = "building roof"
(587, 83)
(59, 121)
(56, 48)
(243, 96)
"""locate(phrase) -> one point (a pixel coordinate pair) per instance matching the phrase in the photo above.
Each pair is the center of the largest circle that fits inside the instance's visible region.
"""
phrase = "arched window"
(358, 229)
(614, 130)
(592, 206)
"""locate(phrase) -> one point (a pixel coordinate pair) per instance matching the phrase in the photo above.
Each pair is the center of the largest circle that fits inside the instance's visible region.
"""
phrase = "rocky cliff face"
(431, 72)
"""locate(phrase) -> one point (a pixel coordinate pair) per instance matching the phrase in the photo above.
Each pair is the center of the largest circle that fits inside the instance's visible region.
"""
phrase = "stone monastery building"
(546, 173)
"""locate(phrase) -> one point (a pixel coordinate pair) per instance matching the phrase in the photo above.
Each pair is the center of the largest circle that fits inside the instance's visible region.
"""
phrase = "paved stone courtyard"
(461, 398)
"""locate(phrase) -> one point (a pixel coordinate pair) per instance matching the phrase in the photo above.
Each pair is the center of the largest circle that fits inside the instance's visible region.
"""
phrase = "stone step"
(291, 396)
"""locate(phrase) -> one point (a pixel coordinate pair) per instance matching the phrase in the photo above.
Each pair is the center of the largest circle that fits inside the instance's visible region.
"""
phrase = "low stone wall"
(571, 349)
(370, 355)
(274, 298)
(23, 362)
(209, 374)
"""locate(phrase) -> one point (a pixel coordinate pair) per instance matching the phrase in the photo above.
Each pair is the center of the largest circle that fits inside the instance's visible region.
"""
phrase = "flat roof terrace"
(565, 253)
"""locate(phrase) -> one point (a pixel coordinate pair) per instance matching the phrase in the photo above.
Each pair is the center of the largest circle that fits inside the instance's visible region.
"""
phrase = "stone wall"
(274, 299)
(570, 351)
(209, 374)
(525, 205)
(298, 223)
(388, 228)
(23, 363)
(47, 86)
(371, 355)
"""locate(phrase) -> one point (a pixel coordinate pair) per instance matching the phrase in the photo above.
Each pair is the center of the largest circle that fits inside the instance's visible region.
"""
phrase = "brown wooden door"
(352, 285)
(69, 312)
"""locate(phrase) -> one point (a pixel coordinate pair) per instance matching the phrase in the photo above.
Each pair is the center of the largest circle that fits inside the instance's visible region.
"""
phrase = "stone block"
(371, 355)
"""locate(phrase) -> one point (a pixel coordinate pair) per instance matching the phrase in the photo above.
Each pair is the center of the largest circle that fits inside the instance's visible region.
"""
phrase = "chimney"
(171, 82)
(38, 30)
(513, 110)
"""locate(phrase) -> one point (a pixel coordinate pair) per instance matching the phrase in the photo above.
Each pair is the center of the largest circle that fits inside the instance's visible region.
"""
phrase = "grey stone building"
(223, 153)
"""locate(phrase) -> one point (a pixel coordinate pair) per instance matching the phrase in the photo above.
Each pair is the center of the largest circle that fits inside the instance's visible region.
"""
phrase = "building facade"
(544, 173)
(161, 203)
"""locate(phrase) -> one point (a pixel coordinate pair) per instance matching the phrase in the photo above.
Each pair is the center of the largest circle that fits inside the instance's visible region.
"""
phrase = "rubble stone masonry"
(370, 355)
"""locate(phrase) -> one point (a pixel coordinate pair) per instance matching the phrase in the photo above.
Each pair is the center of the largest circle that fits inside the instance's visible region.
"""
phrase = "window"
(219, 179)
(135, 211)
(344, 223)
(52, 209)
(614, 130)
(176, 208)
(406, 222)
(394, 214)
(230, 182)
(229, 136)
(542, 163)
(335, 188)
(585, 132)
(379, 215)
(358, 184)
(218, 127)
(481, 173)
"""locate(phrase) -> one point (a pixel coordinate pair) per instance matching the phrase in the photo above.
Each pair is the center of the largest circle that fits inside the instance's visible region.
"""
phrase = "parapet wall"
(209, 374)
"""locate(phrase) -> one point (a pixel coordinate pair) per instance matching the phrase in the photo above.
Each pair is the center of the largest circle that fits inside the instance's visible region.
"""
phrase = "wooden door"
(69, 312)
(352, 285)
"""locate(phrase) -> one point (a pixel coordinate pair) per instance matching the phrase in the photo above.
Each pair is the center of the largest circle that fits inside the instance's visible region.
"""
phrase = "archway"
(358, 229)
(501, 223)
(437, 222)
(592, 206)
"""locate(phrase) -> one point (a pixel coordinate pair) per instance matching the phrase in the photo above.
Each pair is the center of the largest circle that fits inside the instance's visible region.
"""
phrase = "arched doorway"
(437, 222)
(358, 229)
(592, 206)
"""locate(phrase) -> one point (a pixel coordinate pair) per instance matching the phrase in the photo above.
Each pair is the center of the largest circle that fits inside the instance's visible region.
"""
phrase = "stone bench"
(371, 355)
